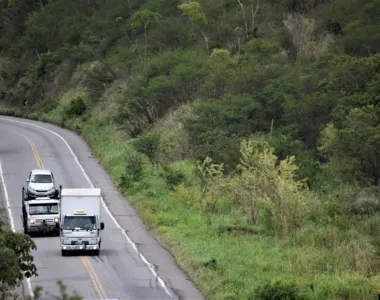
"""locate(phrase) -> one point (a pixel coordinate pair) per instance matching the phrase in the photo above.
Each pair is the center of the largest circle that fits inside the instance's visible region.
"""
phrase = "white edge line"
(12, 221)
(142, 257)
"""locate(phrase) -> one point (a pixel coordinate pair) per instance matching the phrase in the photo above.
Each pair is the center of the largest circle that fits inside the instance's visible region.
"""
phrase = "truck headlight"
(31, 221)
(56, 220)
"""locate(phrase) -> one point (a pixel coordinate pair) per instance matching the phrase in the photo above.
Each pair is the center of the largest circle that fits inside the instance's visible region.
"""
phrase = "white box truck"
(81, 224)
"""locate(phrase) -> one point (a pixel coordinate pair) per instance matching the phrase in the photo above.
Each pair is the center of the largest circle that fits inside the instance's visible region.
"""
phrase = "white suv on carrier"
(40, 183)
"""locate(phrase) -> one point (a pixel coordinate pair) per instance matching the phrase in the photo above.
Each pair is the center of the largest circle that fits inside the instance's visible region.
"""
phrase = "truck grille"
(76, 242)
(38, 221)
(80, 242)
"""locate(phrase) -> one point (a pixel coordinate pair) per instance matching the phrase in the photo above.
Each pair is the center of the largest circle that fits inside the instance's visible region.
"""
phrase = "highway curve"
(121, 270)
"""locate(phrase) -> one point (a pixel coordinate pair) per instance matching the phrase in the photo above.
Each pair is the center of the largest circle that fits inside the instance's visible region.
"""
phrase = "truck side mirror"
(27, 180)
(101, 225)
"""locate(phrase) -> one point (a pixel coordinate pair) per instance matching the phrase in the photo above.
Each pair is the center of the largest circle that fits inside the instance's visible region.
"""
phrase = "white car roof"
(41, 171)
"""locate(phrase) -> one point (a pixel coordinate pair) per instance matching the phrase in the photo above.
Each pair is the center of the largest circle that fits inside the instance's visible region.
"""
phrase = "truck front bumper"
(79, 247)
(41, 228)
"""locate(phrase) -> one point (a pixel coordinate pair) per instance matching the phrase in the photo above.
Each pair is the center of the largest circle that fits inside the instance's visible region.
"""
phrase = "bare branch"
(369, 50)
(254, 13)
(244, 18)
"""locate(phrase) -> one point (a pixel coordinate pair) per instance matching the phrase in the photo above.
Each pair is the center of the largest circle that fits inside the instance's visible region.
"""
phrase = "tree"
(192, 10)
(16, 261)
(221, 70)
(354, 148)
(238, 31)
(143, 19)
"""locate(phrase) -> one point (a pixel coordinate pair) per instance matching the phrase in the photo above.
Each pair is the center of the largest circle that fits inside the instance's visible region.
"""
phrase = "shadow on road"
(43, 235)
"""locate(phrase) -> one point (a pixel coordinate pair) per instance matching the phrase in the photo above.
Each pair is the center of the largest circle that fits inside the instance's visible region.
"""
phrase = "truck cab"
(81, 220)
(41, 215)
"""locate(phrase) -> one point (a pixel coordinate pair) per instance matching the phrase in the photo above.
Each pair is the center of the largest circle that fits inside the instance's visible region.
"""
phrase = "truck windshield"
(41, 178)
(43, 209)
(79, 222)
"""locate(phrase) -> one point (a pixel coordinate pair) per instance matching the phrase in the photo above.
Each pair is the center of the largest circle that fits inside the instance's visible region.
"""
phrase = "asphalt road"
(120, 271)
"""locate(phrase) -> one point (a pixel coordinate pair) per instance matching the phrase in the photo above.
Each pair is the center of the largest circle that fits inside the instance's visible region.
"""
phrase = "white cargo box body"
(88, 200)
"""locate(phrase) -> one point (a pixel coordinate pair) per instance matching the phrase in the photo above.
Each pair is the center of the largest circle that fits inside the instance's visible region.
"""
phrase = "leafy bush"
(279, 290)
(149, 145)
(97, 77)
(77, 107)
(265, 189)
(187, 196)
(173, 177)
(134, 167)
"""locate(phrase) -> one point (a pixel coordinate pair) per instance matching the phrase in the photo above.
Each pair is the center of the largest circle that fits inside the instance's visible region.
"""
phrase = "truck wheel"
(64, 252)
(96, 252)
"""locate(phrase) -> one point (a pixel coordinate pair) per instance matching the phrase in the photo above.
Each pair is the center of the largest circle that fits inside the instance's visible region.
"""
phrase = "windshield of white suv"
(79, 222)
(41, 178)
(43, 209)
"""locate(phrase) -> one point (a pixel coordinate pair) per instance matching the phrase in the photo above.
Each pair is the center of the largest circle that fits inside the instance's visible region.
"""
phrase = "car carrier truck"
(81, 220)
(41, 214)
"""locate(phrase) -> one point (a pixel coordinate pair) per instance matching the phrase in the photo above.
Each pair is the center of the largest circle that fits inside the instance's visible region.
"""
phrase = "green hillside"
(259, 118)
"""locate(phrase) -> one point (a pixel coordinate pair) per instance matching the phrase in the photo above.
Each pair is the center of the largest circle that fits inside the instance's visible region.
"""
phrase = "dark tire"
(64, 252)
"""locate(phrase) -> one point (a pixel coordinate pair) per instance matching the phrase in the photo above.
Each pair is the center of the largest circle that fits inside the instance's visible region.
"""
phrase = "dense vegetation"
(245, 132)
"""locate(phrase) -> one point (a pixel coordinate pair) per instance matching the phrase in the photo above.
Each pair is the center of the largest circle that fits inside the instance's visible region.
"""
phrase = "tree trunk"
(245, 20)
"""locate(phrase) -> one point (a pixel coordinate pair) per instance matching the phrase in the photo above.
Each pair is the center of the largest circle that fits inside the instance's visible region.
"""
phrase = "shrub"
(77, 107)
(267, 191)
(187, 196)
(279, 290)
(173, 177)
(149, 145)
(133, 169)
